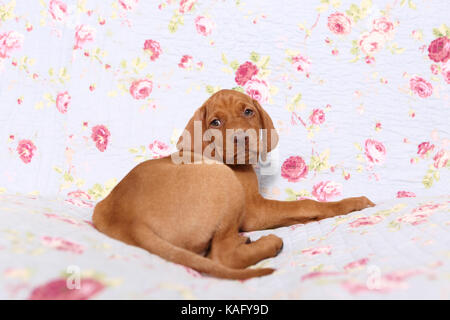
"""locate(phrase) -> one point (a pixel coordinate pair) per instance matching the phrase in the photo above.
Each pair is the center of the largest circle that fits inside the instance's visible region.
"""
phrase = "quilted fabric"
(358, 91)
(399, 249)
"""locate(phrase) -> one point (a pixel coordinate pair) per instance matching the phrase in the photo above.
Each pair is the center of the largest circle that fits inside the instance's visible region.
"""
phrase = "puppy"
(189, 208)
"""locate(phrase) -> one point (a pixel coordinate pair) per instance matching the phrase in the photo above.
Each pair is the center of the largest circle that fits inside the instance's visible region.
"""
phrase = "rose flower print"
(439, 49)
(153, 48)
(26, 150)
(141, 89)
(421, 87)
(57, 290)
(375, 151)
(100, 135)
(294, 168)
(204, 25)
(58, 10)
(10, 41)
(257, 89)
(83, 34)
(339, 23)
(128, 4)
(326, 190)
(63, 101)
(245, 72)
(186, 62)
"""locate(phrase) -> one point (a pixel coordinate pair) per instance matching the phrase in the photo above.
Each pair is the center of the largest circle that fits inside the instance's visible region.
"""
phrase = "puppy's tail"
(147, 239)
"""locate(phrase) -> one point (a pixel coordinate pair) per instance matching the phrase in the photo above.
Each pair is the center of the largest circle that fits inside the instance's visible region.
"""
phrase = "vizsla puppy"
(191, 214)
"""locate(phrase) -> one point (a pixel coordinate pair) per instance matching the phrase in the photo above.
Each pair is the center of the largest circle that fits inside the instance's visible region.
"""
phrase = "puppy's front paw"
(353, 204)
(362, 203)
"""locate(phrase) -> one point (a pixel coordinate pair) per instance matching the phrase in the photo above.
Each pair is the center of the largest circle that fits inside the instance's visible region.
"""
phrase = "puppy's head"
(230, 127)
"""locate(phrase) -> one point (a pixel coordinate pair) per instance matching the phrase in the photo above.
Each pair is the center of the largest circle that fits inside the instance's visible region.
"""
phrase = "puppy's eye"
(248, 112)
(215, 123)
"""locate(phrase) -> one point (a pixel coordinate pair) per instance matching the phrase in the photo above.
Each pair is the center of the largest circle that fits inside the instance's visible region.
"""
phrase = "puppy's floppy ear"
(188, 143)
(266, 123)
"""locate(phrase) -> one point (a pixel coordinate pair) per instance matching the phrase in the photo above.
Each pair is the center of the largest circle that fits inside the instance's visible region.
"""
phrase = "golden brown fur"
(191, 214)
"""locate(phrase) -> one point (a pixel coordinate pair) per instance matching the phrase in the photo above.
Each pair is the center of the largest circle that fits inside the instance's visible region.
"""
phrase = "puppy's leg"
(267, 214)
(234, 253)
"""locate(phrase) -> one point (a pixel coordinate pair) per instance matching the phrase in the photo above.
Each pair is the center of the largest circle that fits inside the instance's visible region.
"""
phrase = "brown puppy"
(183, 212)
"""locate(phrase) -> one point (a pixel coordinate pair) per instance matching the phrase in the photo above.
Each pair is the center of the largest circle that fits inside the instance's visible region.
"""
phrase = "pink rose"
(439, 49)
(294, 168)
(375, 151)
(356, 264)
(257, 89)
(315, 251)
(319, 274)
(160, 149)
(186, 6)
(80, 203)
(83, 34)
(414, 218)
(128, 4)
(405, 194)
(429, 207)
(100, 135)
(186, 62)
(9, 41)
(58, 290)
(62, 244)
(383, 25)
(421, 87)
(26, 149)
(80, 199)
(153, 48)
(141, 89)
(301, 63)
(446, 72)
(339, 23)
(401, 275)
(370, 60)
(62, 101)
(79, 194)
(441, 158)
(420, 214)
(317, 117)
(434, 68)
(371, 43)
(423, 148)
(58, 10)
(63, 219)
(204, 25)
(326, 190)
(366, 221)
(245, 72)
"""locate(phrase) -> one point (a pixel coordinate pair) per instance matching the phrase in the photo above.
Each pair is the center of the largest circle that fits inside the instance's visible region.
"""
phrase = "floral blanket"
(398, 249)
(88, 89)
(358, 91)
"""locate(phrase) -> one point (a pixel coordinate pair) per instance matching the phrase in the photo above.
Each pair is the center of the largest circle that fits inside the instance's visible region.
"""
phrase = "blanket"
(398, 249)
(358, 91)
